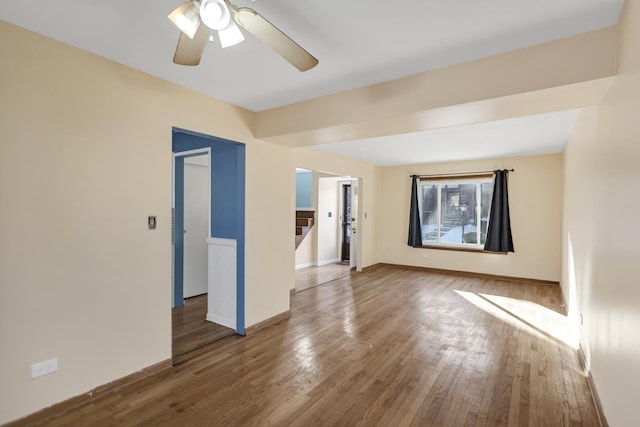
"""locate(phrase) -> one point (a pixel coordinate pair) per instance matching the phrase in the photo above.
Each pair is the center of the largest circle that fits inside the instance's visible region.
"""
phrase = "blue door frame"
(227, 166)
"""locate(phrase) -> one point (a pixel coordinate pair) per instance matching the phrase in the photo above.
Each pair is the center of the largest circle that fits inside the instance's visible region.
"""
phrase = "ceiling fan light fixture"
(230, 36)
(187, 18)
(215, 14)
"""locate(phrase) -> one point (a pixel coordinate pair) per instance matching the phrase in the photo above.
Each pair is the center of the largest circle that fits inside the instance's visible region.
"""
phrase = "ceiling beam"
(564, 74)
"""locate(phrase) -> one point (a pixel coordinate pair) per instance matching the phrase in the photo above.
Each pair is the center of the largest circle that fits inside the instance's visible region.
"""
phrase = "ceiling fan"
(198, 20)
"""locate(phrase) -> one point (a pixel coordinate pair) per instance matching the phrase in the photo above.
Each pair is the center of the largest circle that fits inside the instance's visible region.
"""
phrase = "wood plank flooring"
(191, 330)
(387, 347)
(310, 277)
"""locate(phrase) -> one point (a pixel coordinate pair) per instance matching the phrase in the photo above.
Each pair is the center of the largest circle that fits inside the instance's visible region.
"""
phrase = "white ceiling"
(357, 42)
(521, 136)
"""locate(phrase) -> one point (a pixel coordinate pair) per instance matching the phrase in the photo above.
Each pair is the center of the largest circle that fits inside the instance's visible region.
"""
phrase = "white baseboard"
(220, 321)
(327, 261)
(317, 264)
(305, 265)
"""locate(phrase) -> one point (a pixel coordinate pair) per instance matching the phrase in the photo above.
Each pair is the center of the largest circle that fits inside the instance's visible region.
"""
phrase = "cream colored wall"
(369, 175)
(327, 226)
(535, 197)
(270, 240)
(85, 156)
(602, 231)
(304, 252)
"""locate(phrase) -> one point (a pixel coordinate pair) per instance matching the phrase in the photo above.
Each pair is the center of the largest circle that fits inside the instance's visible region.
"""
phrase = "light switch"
(151, 221)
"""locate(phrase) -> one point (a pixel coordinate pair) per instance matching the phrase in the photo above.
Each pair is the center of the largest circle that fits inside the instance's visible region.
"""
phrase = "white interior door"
(196, 225)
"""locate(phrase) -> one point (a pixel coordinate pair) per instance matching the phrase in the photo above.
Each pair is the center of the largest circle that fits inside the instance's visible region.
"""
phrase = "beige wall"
(85, 156)
(602, 231)
(270, 225)
(304, 251)
(327, 226)
(535, 196)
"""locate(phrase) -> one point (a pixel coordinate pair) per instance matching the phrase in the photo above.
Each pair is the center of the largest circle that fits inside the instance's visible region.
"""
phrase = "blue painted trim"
(178, 260)
(240, 201)
(227, 200)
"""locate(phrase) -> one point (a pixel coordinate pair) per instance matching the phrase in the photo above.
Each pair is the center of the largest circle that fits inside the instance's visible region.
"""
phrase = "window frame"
(440, 181)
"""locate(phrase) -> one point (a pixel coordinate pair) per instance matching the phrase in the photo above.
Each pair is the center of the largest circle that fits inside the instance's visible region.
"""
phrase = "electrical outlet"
(43, 368)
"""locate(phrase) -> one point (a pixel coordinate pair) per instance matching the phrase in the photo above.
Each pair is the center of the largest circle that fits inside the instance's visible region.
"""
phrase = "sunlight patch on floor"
(519, 313)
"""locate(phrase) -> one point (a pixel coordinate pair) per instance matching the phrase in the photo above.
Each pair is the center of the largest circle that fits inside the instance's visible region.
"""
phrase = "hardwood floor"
(387, 347)
(191, 330)
(310, 277)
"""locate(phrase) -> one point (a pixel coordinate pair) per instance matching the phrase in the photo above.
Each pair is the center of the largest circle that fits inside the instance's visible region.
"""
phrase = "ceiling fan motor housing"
(215, 14)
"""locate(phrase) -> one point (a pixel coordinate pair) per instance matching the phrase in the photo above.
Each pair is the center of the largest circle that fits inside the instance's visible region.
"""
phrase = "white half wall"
(222, 282)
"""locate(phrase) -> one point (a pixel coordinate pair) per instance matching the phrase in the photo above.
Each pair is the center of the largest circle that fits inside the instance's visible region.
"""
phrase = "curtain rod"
(460, 173)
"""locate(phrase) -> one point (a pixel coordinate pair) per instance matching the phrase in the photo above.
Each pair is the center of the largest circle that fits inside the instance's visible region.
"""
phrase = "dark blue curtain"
(415, 228)
(499, 237)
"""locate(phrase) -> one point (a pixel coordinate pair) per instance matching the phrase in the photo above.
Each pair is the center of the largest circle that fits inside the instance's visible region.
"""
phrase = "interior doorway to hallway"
(334, 237)
(346, 219)
(207, 234)
(190, 328)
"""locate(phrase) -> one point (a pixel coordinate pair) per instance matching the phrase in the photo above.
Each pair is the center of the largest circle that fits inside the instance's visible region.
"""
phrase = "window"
(455, 211)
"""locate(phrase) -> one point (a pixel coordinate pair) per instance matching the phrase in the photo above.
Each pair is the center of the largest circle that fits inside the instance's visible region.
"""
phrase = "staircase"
(304, 222)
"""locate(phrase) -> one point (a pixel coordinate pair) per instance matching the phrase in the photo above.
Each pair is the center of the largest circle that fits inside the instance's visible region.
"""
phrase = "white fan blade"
(269, 34)
(188, 51)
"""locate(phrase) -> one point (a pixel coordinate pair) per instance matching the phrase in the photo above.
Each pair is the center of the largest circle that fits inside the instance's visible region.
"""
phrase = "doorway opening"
(350, 218)
(329, 250)
(345, 247)
(208, 240)
(195, 216)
